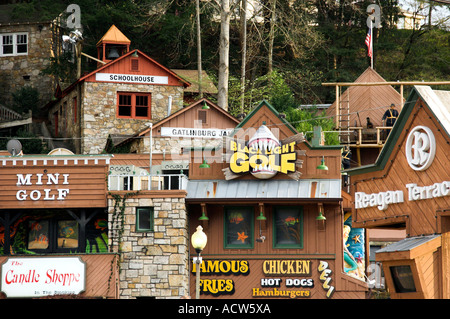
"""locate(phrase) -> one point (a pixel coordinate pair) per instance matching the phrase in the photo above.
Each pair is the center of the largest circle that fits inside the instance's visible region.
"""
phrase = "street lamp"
(198, 241)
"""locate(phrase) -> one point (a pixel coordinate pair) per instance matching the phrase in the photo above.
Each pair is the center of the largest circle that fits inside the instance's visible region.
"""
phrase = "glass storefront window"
(238, 232)
(403, 278)
(67, 234)
(288, 227)
(38, 235)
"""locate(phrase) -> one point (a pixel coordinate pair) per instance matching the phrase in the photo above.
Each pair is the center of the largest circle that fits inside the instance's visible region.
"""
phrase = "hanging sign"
(264, 156)
(38, 277)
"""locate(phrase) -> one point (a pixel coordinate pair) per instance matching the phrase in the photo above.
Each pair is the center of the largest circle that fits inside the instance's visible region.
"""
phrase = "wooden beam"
(337, 84)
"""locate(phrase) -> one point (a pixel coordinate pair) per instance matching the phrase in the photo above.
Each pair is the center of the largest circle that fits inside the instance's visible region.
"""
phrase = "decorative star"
(242, 236)
(356, 239)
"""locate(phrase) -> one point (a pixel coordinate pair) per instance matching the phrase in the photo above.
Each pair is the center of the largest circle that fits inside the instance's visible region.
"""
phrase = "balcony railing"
(141, 182)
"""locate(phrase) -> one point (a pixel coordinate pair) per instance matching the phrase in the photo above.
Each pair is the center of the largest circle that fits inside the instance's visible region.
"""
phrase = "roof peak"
(114, 35)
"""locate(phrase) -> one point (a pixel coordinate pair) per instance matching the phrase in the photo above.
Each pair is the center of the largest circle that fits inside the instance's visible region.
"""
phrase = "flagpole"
(371, 43)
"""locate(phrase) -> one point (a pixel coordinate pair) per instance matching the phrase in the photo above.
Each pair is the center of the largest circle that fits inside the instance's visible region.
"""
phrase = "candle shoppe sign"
(278, 278)
(38, 277)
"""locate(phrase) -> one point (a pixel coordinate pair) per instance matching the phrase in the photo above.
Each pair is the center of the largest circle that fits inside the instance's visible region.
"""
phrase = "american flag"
(369, 42)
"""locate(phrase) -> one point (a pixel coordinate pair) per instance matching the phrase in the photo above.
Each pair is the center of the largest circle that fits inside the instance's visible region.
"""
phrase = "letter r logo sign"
(420, 148)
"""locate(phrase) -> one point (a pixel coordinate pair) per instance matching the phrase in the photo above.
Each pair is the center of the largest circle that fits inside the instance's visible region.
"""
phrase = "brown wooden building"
(54, 227)
(265, 239)
(408, 187)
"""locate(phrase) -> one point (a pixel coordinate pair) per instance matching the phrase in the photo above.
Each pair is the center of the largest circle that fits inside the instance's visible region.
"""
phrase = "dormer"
(112, 45)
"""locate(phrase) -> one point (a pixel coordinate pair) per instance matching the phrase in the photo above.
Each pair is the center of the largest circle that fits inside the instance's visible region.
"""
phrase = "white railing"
(141, 182)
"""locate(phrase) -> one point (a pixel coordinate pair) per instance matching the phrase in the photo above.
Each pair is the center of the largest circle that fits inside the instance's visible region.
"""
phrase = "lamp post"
(198, 240)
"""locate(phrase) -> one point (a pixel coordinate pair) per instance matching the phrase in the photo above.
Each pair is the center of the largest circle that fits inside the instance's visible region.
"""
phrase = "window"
(403, 278)
(13, 44)
(238, 224)
(44, 234)
(134, 64)
(203, 116)
(74, 109)
(134, 105)
(67, 235)
(144, 219)
(288, 227)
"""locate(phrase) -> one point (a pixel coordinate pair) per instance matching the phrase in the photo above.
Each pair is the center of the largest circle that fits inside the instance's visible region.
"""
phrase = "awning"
(409, 248)
(264, 189)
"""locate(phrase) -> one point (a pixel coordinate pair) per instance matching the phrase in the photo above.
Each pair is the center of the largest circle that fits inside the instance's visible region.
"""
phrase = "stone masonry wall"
(99, 107)
(153, 264)
(25, 70)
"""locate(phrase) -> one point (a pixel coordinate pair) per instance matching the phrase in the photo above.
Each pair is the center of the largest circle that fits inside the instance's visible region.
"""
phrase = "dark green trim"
(151, 219)
(272, 109)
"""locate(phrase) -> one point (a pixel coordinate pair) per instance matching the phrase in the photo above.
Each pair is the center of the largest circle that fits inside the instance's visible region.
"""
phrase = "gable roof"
(367, 101)
(264, 103)
(186, 109)
(108, 65)
(438, 102)
(83, 78)
(126, 139)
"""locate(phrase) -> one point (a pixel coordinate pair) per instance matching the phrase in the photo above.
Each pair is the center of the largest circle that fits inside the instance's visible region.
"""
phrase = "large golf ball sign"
(263, 156)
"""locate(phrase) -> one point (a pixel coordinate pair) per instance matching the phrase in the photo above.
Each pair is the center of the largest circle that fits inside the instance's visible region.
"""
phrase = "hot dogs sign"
(263, 156)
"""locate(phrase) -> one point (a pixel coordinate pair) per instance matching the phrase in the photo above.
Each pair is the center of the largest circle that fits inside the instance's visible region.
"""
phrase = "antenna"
(14, 147)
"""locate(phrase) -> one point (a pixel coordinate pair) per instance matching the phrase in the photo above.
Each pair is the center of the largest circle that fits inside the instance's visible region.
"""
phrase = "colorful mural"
(32, 233)
(354, 249)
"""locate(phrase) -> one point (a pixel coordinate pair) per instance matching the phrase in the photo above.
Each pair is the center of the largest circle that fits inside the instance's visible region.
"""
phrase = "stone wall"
(153, 264)
(99, 107)
(25, 70)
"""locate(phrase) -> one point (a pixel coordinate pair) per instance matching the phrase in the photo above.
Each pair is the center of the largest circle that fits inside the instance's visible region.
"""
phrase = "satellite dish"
(60, 151)
(14, 147)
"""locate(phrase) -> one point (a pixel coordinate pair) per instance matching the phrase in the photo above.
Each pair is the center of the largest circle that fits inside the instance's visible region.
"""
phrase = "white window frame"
(14, 35)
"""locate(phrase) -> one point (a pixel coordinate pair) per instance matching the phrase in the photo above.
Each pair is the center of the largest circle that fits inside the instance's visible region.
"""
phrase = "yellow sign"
(296, 267)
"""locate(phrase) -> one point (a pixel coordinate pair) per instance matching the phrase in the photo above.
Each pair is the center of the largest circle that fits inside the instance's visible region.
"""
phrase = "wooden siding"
(420, 215)
(147, 66)
(102, 275)
(319, 245)
(86, 185)
(367, 101)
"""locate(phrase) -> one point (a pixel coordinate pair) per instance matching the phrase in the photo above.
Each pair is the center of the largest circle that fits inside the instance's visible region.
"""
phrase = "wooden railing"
(141, 182)
(7, 114)
(377, 133)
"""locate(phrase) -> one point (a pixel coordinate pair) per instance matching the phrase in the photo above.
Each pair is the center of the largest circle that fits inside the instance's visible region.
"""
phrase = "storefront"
(409, 187)
(273, 218)
(54, 227)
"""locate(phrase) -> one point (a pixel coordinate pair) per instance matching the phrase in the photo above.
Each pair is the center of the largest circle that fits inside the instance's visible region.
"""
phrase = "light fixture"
(135, 54)
(261, 216)
(205, 106)
(320, 218)
(204, 164)
(198, 241)
(322, 165)
(203, 217)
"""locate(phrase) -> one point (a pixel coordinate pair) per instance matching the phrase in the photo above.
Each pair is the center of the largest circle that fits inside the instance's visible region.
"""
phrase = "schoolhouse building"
(125, 93)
